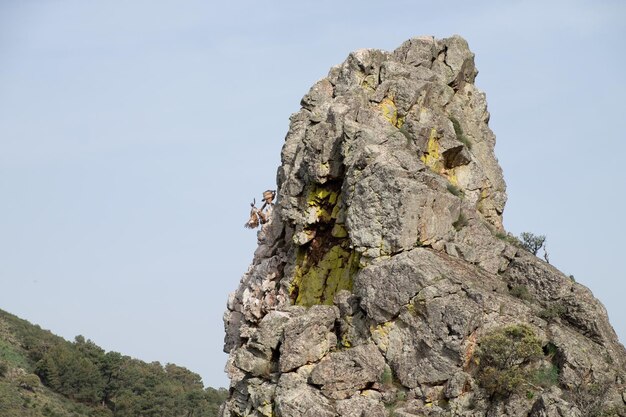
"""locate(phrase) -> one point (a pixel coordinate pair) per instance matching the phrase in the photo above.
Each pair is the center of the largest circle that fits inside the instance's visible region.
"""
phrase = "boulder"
(384, 274)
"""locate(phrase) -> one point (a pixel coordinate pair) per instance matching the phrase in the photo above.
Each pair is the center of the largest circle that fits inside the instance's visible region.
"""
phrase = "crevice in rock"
(327, 263)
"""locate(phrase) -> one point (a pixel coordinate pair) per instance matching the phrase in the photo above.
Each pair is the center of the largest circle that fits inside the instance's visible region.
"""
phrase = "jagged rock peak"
(384, 282)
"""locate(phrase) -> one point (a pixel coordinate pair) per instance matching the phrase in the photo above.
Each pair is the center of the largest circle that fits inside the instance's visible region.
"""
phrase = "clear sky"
(134, 134)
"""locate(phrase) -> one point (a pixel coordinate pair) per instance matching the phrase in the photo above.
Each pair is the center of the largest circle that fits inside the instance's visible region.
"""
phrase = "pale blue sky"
(134, 134)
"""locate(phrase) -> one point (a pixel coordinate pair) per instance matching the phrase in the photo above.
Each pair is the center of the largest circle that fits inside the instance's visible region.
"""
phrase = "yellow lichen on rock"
(400, 121)
(320, 194)
(325, 264)
(339, 231)
(340, 276)
(389, 110)
(311, 287)
(266, 409)
(318, 284)
(380, 335)
(432, 156)
(324, 201)
(450, 174)
(433, 159)
(484, 195)
(369, 82)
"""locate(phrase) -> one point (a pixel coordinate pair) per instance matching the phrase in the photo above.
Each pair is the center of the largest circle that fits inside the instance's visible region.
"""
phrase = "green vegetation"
(396, 392)
(590, 397)
(521, 292)
(546, 376)
(531, 242)
(460, 136)
(44, 375)
(386, 378)
(509, 238)
(403, 129)
(505, 360)
(454, 190)
(28, 381)
(528, 241)
(552, 312)
(460, 222)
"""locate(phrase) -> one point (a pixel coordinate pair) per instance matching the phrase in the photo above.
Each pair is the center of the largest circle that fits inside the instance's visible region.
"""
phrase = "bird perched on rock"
(253, 221)
(268, 197)
(261, 216)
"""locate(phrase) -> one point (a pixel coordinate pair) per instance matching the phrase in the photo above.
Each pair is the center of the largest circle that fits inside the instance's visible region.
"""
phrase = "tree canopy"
(107, 384)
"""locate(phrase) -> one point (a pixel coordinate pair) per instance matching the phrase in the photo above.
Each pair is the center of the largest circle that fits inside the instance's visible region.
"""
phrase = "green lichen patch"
(318, 282)
(326, 264)
(339, 231)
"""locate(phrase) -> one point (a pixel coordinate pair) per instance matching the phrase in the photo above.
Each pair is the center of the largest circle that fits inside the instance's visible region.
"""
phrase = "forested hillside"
(44, 375)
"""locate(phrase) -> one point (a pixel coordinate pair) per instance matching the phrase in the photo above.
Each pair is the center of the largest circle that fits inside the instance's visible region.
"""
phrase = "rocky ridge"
(385, 274)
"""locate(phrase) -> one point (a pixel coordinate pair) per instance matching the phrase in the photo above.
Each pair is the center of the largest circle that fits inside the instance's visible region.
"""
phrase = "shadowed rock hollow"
(384, 283)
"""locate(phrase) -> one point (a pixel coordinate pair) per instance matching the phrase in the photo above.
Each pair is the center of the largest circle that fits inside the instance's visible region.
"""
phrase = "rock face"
(384, 275)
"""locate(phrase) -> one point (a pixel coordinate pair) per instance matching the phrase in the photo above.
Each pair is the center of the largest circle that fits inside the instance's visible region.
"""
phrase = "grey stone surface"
(390, 203)
(456, 385)
(294, 397)
(342, 373)
(550, 404)
(307, 338)
(361, 406)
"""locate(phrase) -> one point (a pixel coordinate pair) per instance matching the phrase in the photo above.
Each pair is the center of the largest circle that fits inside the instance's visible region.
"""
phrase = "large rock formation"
(384, 283)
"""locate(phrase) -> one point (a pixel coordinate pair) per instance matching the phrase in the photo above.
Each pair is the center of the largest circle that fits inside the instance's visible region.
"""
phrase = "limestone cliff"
(384, 283)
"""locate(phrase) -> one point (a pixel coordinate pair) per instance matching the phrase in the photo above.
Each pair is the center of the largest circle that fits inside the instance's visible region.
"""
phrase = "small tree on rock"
(531, 242)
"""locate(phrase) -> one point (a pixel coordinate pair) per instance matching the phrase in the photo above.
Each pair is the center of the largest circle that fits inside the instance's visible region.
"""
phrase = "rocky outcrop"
(384, 274)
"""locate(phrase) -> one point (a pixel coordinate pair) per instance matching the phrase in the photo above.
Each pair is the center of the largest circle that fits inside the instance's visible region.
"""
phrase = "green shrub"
(590, 398)
(28, 381)
(547, 376)
(4, 368)
(101, 412)
(509, 238)
(386, 378)
(461, 222)
(460, 136)
(505, 357)
(552, 312)
(550, 350)
(403, 129)
(521, 292)
(454, 190)
(12, 356)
